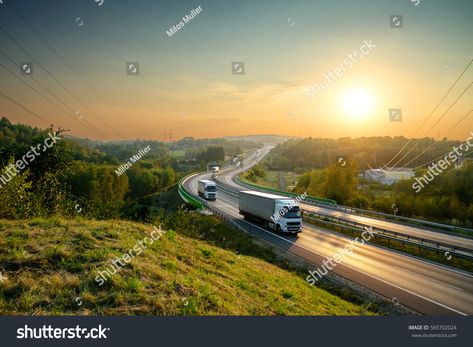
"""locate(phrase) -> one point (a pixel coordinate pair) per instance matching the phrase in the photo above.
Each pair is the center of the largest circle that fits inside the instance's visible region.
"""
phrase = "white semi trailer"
(275, 212)
(207, 189)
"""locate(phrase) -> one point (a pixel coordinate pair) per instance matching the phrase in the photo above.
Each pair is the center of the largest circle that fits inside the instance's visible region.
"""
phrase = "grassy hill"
(49, 266)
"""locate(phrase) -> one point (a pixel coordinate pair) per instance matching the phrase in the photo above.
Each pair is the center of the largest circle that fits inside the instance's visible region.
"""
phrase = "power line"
(168, 135)
(38, 82)
(453, 168)
(431, 113)
(55, 79)
(88, 125)
(461, 120)
(425, 150)
(23, 107)
(63, 60)
(438, 120)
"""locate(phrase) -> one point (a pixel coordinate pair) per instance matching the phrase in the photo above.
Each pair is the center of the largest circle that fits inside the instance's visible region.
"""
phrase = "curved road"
(423, 286)
(441, 237)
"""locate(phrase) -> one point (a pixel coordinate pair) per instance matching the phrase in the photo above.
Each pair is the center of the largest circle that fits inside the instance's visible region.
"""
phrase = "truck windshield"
(294, 212)
(211, 188)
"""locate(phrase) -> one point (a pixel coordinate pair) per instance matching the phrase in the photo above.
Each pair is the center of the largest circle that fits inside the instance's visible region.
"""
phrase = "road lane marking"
(367, 274)
(430, 278)
(360, 271)
(412, 258)
(321, 230)
(363, 272)
(401, 228)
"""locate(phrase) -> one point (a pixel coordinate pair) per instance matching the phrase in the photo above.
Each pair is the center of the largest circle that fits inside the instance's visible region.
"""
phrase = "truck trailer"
(279, 213)
(207, 189)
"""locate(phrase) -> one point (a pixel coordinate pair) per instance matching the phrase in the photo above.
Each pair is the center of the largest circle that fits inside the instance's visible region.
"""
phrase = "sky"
(185, 83)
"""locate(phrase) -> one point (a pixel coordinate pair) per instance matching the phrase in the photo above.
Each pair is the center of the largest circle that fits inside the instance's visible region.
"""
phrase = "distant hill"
(268, 139)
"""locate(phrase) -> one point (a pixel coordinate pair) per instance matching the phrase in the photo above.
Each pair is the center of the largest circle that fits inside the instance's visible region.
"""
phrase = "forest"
(76, 177)
(333, 169)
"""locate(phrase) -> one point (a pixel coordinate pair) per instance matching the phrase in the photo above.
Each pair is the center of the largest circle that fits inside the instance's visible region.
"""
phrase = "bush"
(15, 195)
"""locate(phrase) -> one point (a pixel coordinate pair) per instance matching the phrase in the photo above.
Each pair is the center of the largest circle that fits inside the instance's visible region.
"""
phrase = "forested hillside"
(81, 177)
(332, 169)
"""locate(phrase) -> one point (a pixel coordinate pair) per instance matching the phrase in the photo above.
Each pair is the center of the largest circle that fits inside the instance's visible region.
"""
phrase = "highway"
(428, 234)
(425, 287)
(401, 228)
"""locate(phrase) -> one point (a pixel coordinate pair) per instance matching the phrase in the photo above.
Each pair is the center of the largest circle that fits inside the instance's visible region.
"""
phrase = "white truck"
(275, 212)
(207, 189)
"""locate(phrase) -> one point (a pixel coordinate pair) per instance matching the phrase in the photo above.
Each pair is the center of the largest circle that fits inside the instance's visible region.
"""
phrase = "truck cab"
(207, 189)
(276, 212)
(287, 217)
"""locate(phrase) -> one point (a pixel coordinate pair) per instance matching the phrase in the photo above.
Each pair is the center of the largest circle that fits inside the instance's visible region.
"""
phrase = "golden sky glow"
(186, 83)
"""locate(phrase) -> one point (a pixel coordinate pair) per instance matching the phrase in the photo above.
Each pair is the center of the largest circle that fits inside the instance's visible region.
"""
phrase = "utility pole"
(167, 135)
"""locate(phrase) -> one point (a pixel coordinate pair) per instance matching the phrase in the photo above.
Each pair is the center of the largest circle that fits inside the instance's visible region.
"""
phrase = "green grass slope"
(49, 266)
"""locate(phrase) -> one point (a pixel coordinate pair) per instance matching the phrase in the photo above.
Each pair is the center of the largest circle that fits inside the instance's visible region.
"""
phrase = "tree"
(167, 177)
(141, 182)
(15, 196)
(340, 182)
(97, 189)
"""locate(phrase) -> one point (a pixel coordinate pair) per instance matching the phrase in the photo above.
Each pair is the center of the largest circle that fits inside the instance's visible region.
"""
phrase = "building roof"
(400, 169)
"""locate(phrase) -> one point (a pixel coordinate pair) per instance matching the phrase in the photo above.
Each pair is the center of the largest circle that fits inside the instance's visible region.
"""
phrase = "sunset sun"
(357, 103)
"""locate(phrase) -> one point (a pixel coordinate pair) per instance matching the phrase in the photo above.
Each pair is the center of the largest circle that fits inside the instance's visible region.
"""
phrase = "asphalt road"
(428, 234)
(423, 286)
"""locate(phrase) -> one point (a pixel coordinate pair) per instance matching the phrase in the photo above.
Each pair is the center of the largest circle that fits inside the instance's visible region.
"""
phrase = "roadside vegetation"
(331, 169)
(77, 177)
(199, 267)
(68, 214)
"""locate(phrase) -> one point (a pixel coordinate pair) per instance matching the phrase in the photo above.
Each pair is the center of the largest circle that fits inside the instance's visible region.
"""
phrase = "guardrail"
(409, 221)
(321, 202)
(339, 222)
(391, 235)
(204, 205)
(380, 232)
(186, 196)
(229, 189)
